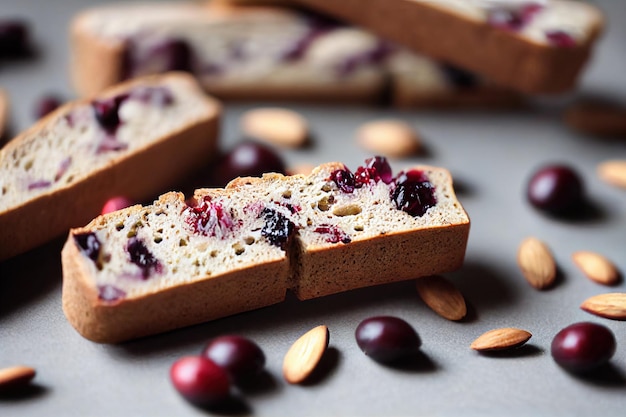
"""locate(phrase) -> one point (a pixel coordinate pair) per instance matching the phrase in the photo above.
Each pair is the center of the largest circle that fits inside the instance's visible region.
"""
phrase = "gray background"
(491, 156)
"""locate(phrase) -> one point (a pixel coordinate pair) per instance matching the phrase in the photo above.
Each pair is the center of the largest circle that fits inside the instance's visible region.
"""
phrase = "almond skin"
(15, 377)
(536, 263)
(500, 339)
(610, 305)
(596, 267)
(304, 355)
(613, 172)
(281, 127)
(442, 297)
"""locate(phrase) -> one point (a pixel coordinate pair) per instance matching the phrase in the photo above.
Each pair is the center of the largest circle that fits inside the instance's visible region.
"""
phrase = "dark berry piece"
(413, 193)
(381, 167)
(277, 228)
(344, 179)
(556, 189)
(106, 112)
(110, 293)
(89, 245)
(175, 54)
(39, 184)
(46, 104)
(333, 234)
(14, 40)
(459, 77)
(141, 256)
(210, 219)
(561, 39)
(200, 381)
(582, 347)
(239, 356)
(387, 339)
(248, 159)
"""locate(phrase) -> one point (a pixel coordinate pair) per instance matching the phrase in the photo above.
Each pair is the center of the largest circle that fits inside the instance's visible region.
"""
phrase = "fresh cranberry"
(413, 193)
(344, 179)
(556, 189)
(333, 233)
(209, 218)
(387, 338)
(141, 256)
(89, 245)
(116, 203)
(46, 104)
(110, 293)
(200, 381)
(582, 347)
(277, 228)
(13, 38)
(248, 159)
(240, 357)
(106, 112)
(381, 167)
(561, 39)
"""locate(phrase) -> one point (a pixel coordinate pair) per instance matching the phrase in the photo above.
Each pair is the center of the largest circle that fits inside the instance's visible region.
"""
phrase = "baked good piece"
(258, 53)
(533, 46)
(59, 173)
(145, 270)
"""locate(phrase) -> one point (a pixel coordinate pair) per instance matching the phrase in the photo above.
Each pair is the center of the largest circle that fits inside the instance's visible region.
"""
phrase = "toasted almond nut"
(281, 127)
(597, 118)
(393, 138)
(500, 339)
(596, 267)
(304, 169)
(613, 172)
(15, 376)
(4, 112)
(610, 305)
(442, 297)
(304, 355)
(346, 210)
(536, 263)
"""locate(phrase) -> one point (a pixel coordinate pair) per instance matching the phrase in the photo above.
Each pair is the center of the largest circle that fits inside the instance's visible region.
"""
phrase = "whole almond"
(15, 376)
(279, 126)
(596, 267)
(500, 339)
(610, 305)
(393, 138)
(304, 355)
(536, 263)
(613, 172)
(442, 297)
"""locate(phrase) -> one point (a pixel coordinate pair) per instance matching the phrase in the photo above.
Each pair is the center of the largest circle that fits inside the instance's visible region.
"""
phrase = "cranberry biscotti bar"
(262, 53)
(145, 270)
(58, 174)
(534, 46)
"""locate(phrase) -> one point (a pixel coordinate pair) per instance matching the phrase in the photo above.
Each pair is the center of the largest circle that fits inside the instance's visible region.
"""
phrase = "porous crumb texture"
(139, 252)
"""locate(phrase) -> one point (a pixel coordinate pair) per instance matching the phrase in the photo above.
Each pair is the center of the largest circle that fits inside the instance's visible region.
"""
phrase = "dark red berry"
(277, 228)
(561, 39)
(89, 245)
(582, 347)
(106, 112)
(344, 179)
(240, 357)
(141, 256)
(116, 203)
(556, 189)
(13, 38)
(333, 233)
(209, 218)
(381, 167)
(46, 104)
(413, 193)
(248, 159)
(200, 380)
(387, 339)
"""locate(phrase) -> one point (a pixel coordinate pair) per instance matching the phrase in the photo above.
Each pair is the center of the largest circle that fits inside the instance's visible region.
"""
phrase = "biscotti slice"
(145, 270)
(264, 53)
(534, 46)
(136, 139)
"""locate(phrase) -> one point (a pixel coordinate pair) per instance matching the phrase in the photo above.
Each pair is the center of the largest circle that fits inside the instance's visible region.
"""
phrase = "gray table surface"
(491, 156)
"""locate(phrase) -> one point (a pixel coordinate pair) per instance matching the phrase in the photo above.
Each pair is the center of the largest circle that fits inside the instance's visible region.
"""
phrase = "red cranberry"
(248, 159)
(13, 38)
(240, 357)
(582, 347)
(556, 189)
(561, 39)
(200, 380)
(333, 233)
(46, 104)
(414, 194)
(277, 228)
(106, 112)
(89, 244)
(387, 338)
(141, 256)
(209, 218)
(344, 179)
(116, 203)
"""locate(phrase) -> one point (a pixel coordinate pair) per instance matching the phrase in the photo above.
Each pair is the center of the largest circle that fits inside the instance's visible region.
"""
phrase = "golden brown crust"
(496, 54)
(52, 214)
